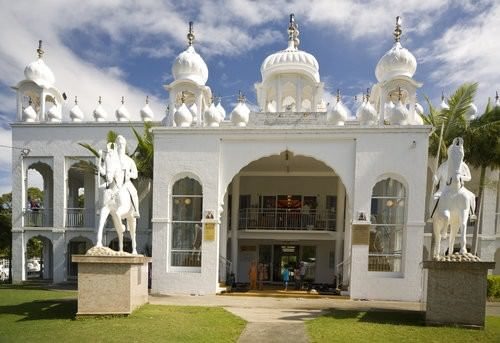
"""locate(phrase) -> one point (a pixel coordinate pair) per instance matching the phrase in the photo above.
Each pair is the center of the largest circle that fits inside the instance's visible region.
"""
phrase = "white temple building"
(299, 180)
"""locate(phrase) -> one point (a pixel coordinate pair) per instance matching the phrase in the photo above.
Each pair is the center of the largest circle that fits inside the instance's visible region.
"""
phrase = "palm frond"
(89, 148)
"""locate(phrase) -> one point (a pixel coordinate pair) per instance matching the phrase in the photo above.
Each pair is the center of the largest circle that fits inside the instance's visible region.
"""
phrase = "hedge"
(493, 286)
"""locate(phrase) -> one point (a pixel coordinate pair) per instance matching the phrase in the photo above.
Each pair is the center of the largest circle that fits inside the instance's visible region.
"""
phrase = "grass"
(393, 326)
(31, 314)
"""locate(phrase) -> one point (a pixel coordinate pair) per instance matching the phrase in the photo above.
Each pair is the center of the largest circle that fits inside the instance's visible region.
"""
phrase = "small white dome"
(367, 114)
(338, 114)
(471, 112)
(182, 116)
(38, 72)
(443, 105)
(190, 66)
(54, 114)
(76, 114)
(240, 114)
(419, 109)
(122, 113)
(29, 114)
(212, 116)
(147, 113)
(100, 113)
(398, 61)
(399, 114)
(222, 111)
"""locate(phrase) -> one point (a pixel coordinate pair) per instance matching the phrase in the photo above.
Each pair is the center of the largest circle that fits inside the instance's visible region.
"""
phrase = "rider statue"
(129, 172)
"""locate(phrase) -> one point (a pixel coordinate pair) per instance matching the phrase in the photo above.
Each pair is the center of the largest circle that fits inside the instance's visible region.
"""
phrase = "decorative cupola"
(241, 113)
(146, 112)
(339, 113)
(220, 108)
(76, 113)
(366, 113)
(212, 116)
(190, 74)
(290, 78)
(29, 114)
(122, 113)
(395, 72)
(471, 113)
(100, 113)
(38, 87)
(399, 114)
(182, 115)
(443, 105)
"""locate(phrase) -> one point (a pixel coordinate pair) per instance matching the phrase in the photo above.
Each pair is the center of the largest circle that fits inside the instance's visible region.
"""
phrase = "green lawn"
(31, 314)
(396, 326)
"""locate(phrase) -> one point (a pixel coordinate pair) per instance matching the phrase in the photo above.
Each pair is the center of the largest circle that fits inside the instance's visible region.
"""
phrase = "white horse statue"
(454, 204)
(119, 200)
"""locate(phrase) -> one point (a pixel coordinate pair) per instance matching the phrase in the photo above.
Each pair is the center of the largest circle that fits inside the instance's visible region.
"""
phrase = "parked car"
(33, 266)
(4, 272)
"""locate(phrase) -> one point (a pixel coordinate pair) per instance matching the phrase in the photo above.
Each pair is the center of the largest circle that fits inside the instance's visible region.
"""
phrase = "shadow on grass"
(43, 309)
(395, 317)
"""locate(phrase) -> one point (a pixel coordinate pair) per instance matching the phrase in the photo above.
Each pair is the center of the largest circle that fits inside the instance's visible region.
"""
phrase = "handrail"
(286, 219)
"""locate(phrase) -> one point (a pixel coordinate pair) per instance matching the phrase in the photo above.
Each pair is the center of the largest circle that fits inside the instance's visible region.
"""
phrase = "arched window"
(187, 204)
(388, 218)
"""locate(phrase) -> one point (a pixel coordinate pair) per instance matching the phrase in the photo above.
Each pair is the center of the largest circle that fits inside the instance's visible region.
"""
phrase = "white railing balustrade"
(286, 219)
(186, 258)
(80, 217)
(40, 217)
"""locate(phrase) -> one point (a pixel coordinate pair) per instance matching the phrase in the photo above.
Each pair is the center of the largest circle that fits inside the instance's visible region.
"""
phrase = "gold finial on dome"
(147, 99)
(76, 100)
(241, 97)
(397, 30)
(100, 100)
(338, 95)
(442, 95)
(123, 99)
(293, 31)
(40, 50)
(190, 35)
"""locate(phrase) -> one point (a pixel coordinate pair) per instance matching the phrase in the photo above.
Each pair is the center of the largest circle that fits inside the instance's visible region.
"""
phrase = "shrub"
(493, 287)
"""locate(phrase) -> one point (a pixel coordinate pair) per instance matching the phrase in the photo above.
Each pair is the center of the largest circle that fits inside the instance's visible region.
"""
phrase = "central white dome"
(291, 60)
(190, 66)
(398, 61)
(38, 72)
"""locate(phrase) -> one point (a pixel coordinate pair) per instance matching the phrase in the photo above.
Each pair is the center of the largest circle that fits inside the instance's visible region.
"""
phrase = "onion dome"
(291, 59)
(222, 111)
(54, 114)
(29, 114)
(241, 113)
(471, 113)
(76, 113)
(38, 72)
(122, 113)
(338, 114)
(189, 65)
(212, 116)
(443, 105)
(182, 116)
(399, 114)
(398, 61)
(99, 113)
(146, 112)
(366, 113)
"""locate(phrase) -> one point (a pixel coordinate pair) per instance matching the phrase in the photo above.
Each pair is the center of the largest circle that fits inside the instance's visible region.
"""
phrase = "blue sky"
(113, 48)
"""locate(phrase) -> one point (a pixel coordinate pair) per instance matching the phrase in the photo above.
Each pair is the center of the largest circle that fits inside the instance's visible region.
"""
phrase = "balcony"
(286, 219)
(39, 217)
(80, 217)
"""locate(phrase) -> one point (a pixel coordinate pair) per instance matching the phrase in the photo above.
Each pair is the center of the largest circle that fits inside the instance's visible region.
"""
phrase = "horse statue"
(454, 204)
(119, 200)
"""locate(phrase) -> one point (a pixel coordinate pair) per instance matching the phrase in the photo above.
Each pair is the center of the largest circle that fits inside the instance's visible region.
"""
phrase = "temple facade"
(295, 181)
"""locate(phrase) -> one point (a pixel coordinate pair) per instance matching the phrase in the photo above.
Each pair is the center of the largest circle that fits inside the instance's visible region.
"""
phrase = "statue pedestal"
(456, 293)
(111, 285)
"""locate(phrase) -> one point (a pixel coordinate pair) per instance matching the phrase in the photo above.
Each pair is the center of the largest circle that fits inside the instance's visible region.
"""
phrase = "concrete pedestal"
(456, 293)
(109, 285)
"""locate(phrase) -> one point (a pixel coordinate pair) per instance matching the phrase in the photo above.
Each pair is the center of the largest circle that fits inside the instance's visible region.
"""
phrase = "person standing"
(285, 275)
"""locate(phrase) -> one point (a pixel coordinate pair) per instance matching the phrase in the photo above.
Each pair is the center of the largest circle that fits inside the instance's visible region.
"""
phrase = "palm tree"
(481, 135)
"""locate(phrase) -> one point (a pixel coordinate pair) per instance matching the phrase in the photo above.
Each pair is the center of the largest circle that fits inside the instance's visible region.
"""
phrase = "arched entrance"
(284, 211)
(38, 196)
(39, 258)
(80, 199)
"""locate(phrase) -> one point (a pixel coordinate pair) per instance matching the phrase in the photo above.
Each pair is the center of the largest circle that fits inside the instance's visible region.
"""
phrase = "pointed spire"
(123, 100)
(241, 97)
(367, 94)
(147, 99)
(338, 95)
(76, 100)
(40, 51)
(100, 100)
(190, 35)
(293, 33)
(442, 95)
(397, 30)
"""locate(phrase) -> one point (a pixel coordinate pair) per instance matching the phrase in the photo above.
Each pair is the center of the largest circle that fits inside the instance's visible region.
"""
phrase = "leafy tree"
(35, 193)
(5, 224)
(34, 247)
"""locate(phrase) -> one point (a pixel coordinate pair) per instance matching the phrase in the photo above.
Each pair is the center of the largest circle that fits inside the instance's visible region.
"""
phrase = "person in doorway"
(252, 275)
(260, 276)
(302, 270)
(285, 276)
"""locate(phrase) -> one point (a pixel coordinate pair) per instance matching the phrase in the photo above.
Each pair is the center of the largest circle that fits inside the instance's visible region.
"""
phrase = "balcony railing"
(286, 219)
(384, 262)
(40, 217)
(80, 217)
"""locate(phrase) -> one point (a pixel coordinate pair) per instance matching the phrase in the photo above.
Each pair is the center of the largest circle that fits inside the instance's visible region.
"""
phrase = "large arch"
(38, 210)
(80, 194)
(39, 259)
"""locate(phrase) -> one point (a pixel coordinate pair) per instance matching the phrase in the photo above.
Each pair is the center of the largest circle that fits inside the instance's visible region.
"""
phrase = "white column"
(18, 256)
(298, 96)
(339, 221)
(223, 238)
(59, 256)
(235, 204)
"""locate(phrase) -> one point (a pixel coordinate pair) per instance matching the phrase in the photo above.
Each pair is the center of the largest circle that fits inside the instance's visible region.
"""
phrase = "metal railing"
(343, 273)
(190, 258)
(286, 219)
(40, 217)
(80, 217)
(384, 262)
(224, 269)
